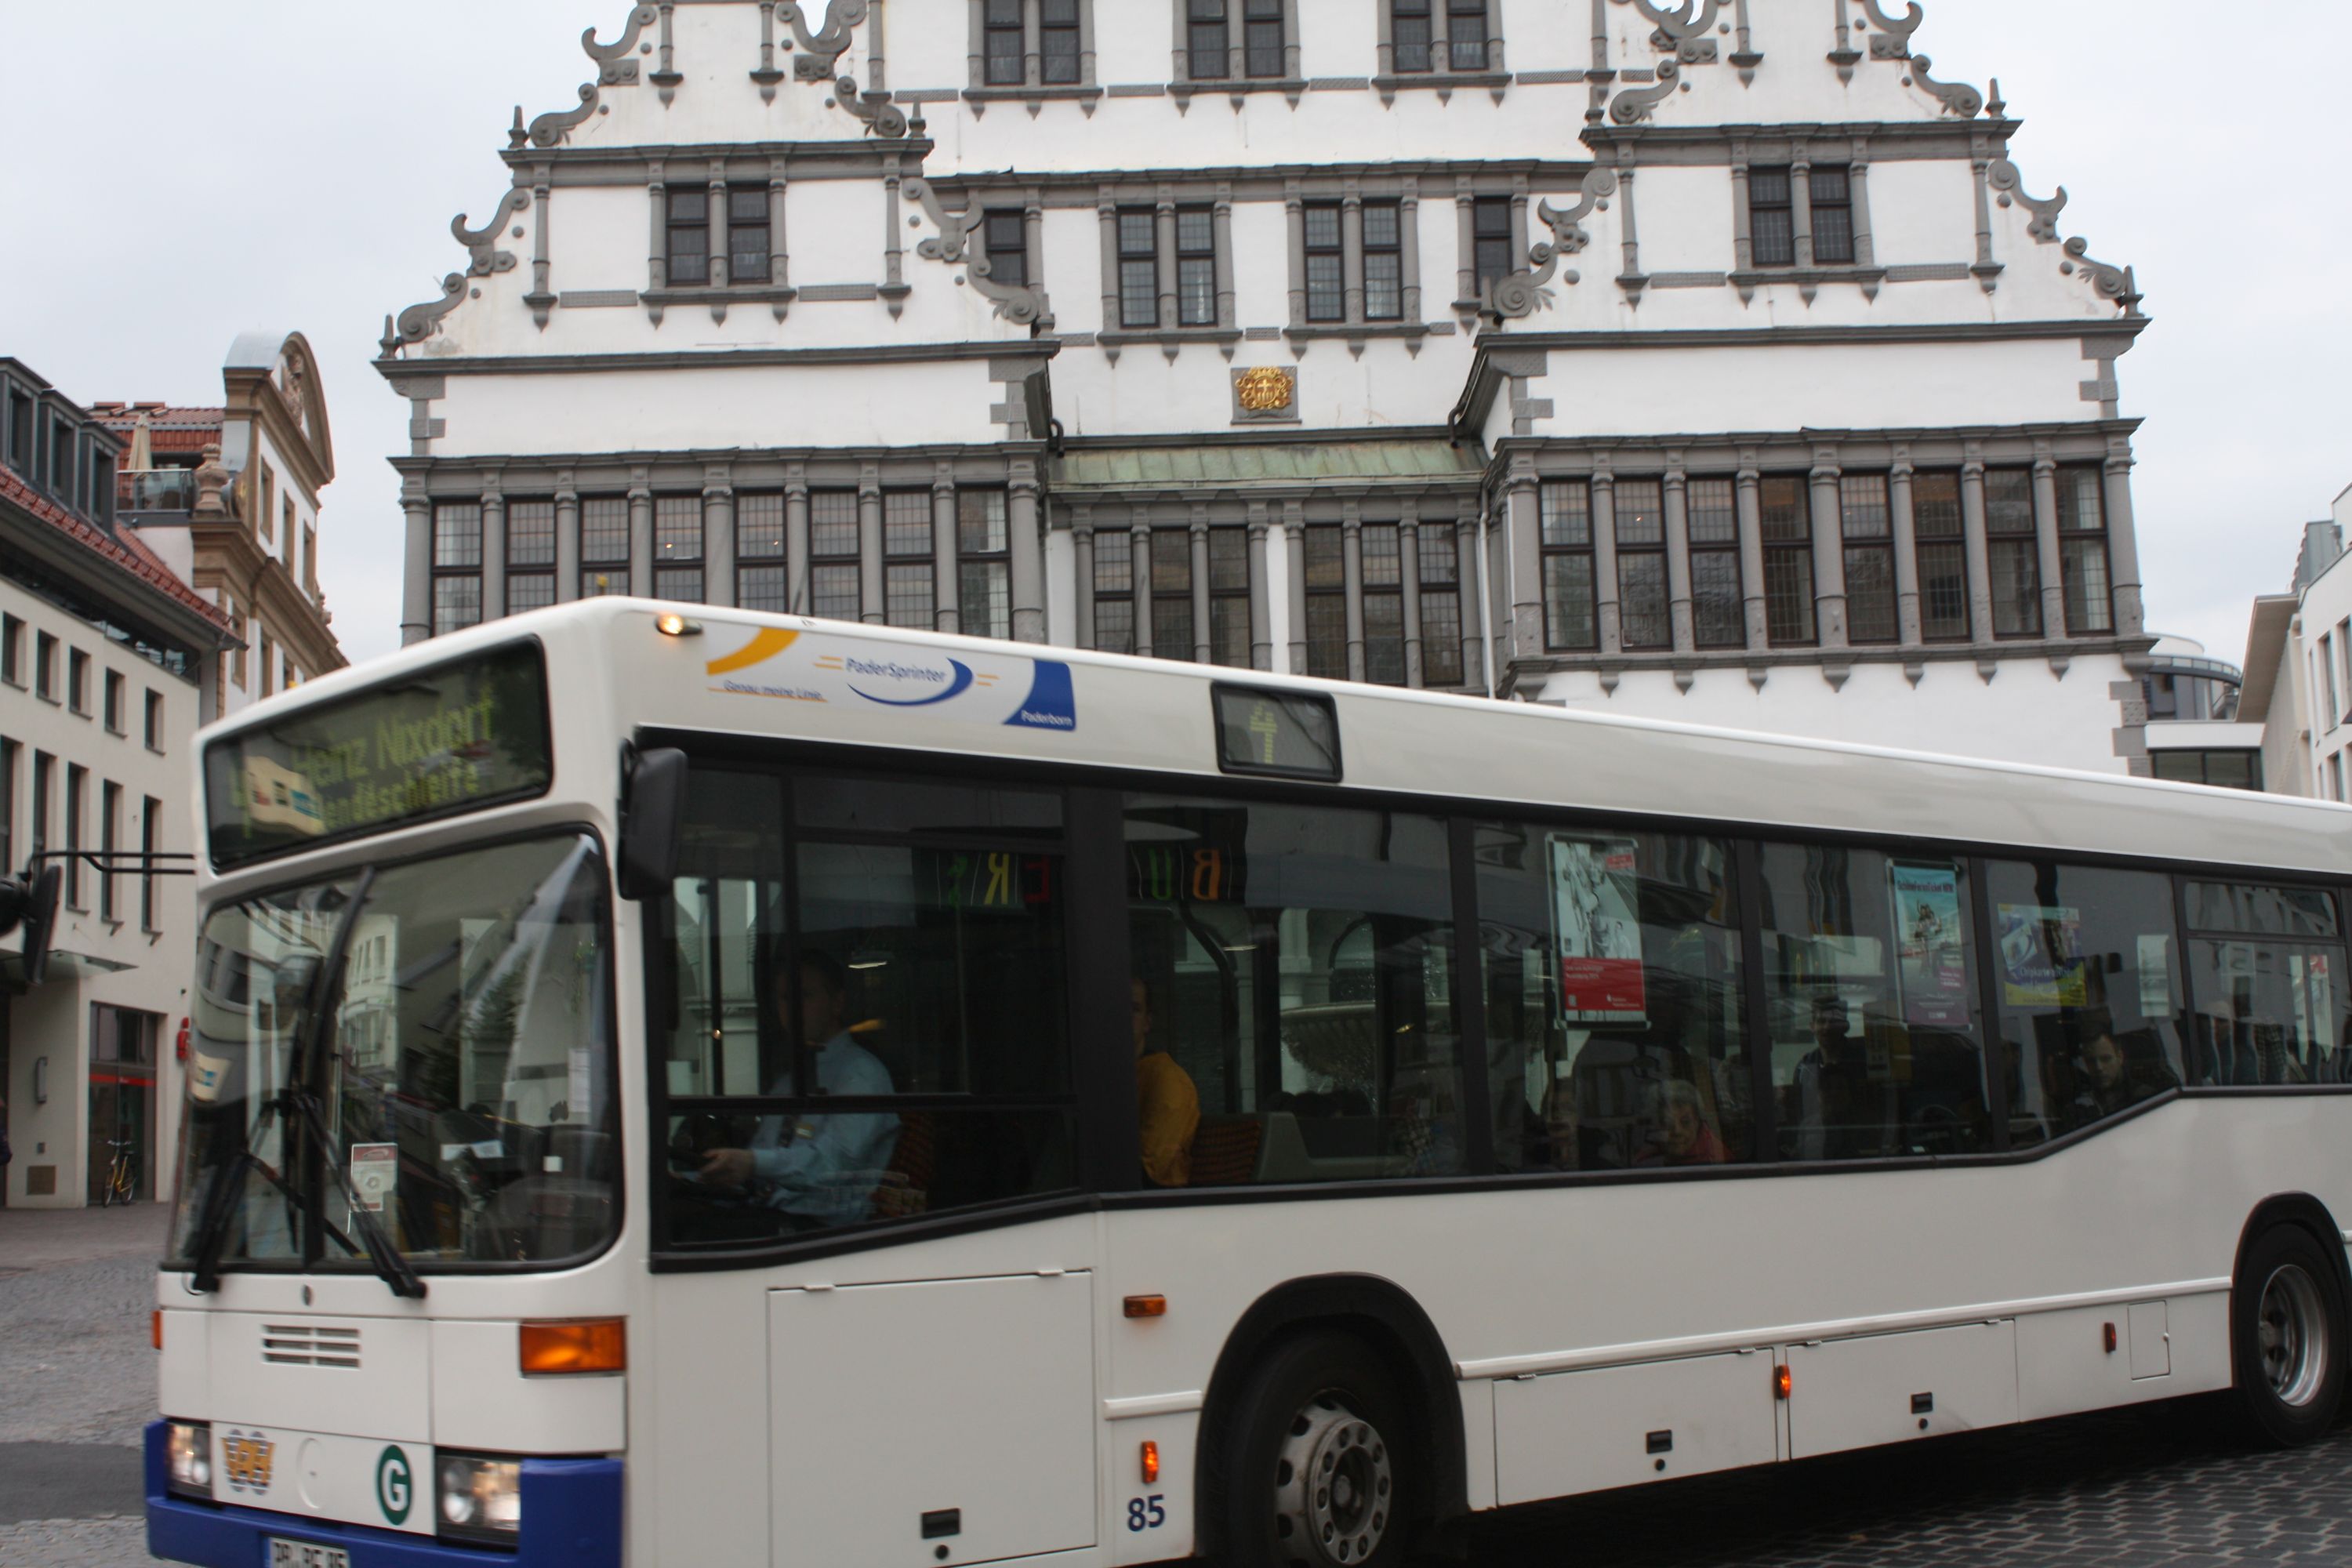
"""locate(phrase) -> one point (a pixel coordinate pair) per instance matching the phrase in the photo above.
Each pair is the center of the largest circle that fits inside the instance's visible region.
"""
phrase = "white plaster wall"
(2025, 714)
(1685, 219)
(2327, 607)
(53, 1019)
(1071, 268)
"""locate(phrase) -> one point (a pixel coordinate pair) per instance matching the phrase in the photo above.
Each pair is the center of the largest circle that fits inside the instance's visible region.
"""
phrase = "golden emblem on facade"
(1265, 389)
(246, 1459)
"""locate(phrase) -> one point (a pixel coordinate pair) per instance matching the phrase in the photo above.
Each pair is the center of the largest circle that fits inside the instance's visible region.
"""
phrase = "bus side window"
(1874, 1003)
(1616, 1012)
(2086, 974)
(1293, 994)
(2267, 980)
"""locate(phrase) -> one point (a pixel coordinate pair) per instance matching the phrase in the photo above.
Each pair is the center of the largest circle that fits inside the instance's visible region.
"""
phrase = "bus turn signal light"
(2107, 1332)
(158, 1326)
(1147, 1306)
(592, 1344)
(1151, 1463)
(1781, 1381)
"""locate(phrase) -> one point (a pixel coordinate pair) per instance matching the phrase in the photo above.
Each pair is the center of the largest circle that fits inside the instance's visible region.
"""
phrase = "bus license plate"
(285, 1554)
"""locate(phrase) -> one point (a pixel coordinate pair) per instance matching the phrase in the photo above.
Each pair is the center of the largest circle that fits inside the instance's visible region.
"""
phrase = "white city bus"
(754, 1091)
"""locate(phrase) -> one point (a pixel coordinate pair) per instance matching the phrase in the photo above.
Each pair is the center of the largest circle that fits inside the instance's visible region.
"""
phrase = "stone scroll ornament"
(420, 322)
(1634, 104)
(881, 117)
(1959, 98)
(1521, 293)
(2004, 177)
(2115, 283)
(482, 242)
(1892, 39)
(1022, 306)
(1687, 30)
(616, 64)
(821, 50)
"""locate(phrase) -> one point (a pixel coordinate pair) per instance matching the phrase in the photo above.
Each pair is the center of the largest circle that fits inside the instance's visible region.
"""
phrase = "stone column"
(1610, 633)
(416, 574)
(1106, 209)
(494, 548)
(1221, 220)
(1293, 207)
(1905, 520)
(567, 539)
(1465, 227)
(1293, 554)
(1523, 549)
(1409, 576)
(718, 534)
(1082, 544)
(1801, 201)
(1473, 598)
(720, 260)
(873, 591)
(1166, 209)
(1351, 556)
(1409, 243)
(2045, 545)
(945, 599)
(1972, 534)
(1829, 551)
(1865, 249)
(1204, 644)
(641, 533)
(797, 594)
(1139, 566)
(1261, 600)
(1752, 553)
(1033, 223)
(1352, 250)
(2122, 542)
(1024, 543)
(1678, 568)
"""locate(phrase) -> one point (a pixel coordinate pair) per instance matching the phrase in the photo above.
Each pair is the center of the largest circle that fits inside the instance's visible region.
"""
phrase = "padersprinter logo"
(395, 1485)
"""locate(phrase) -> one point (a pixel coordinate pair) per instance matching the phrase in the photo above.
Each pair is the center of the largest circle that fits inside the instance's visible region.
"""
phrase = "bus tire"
(1319, 1464)
(2287, 1338)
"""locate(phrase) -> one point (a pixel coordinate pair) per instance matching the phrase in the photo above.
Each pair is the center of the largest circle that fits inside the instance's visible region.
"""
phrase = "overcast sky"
(179, 174)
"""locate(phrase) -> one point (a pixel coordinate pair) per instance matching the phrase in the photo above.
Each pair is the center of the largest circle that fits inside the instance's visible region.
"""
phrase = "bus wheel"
(1321, 1471)
(2287, 1329)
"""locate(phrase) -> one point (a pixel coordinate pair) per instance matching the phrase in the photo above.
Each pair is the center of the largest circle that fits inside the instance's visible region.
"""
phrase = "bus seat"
(906, 1187)
(1225, 1150)
(1349, 1154)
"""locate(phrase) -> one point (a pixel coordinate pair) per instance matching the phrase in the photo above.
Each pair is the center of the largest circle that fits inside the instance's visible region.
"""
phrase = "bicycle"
(122, 1184)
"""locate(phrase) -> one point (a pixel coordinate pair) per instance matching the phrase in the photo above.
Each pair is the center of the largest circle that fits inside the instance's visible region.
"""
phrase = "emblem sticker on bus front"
(245, 1461)
(792, 667)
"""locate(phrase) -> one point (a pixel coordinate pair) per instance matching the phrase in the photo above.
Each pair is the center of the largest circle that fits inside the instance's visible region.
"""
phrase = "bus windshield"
(430, 1043)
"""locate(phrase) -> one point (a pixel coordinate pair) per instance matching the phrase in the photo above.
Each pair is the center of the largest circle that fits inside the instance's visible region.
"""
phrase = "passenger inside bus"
(2118, 1070)
(1168, 1105)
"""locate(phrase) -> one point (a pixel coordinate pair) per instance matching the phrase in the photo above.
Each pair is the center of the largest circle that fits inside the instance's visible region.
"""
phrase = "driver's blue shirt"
(825, 1168)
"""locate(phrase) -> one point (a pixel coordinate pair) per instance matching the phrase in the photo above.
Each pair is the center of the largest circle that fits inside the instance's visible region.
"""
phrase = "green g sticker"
(395, 1486)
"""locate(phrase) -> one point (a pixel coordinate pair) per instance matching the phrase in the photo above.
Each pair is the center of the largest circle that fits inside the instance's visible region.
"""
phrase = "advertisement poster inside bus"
(1597, 923)
(1934, 971)
(2042, 956)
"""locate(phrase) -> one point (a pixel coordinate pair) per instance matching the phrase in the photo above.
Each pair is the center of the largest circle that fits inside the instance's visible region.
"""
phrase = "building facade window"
(44, 667)
(1212, 27)
(748, 249)
(1139, 268)
(1830, 191)
(76, 803)
(1326, 600)
(1114, 588)
(530, 555)
(1771, 218)
(109, 827)
(1383, 261)
(984, 564)
(2014, 555)
(1196, 267)
(1571, 618)
(686, 225)
(835, 591)
(603, 546)
(761, 579)
(1492, 229)
(1441, 605)
(268, 665)
(36, 832)
(1383, 551)
(1004, 238)
(1229, 597)
(1171, 593)
(1866, 525)
(1643, 618)
(1942, 534)
(113, 701)
(8, 754)
(1018, 44)
(2083, 553)
(78, 681)
(910, 596)
(1006, 44)
(1327, 294)
(457, 567)
(1414, 35)
(155, 722)
(1060, 43)
(1719, 613)
(150, 811)
(1468, 47)
(1787, 522)
(12, 650)
(677, 548)
(2229, 769)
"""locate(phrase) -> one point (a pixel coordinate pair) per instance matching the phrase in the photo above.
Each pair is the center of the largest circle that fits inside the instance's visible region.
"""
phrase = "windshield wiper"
(221, 1204)
(391, 1265)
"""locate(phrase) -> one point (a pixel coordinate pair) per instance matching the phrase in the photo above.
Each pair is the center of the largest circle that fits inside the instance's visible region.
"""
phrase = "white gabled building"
(1715, 363)
(2298, 693)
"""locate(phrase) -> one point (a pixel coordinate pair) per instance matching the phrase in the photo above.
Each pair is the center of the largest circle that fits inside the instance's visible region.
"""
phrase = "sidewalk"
(43, 1238)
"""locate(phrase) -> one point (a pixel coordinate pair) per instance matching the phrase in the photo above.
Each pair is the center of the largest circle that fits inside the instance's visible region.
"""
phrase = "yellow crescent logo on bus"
(762, 648)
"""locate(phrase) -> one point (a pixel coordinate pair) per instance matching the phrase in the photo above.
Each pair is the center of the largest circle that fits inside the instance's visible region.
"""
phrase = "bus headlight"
(188, 1449)
(480, 1498)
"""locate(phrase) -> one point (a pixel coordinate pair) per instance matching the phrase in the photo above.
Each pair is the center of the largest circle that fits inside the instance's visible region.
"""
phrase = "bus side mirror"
(653, 815)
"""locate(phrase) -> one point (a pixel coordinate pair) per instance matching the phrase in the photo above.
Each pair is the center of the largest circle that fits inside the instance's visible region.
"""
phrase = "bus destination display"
(457, 738)
(1278, 734)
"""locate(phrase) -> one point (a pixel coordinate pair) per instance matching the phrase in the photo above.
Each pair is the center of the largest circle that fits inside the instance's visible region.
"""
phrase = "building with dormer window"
(1718, 364)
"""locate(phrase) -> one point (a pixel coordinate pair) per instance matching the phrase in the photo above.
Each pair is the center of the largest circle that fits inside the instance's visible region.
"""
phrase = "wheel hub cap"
(2292, 1334)
(1335, 1489)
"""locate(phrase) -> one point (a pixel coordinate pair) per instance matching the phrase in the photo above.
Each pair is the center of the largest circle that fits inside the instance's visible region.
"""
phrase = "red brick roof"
(127, 550)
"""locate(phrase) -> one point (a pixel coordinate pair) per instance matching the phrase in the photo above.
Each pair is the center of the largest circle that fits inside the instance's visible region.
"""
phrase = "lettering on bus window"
(2266, 969)
(1873, 1005)
(855, 962)
(1292, 997)
(1615, 1018)
(2088, 980)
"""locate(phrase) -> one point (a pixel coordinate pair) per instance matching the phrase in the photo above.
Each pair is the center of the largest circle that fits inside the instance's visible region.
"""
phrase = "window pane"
(1384, 638)
(1439, 563)
(1566, 512)
(762, 588)
(1862, 506)
(1138, 233)
(1412, 35)
(1383, 565)
(908, 599)
(601, 582)
(530, 533)
(833, 523)
(759, 527)
(1936, 505)
(1326, 558)
(1292, 996)
(834, 592)
(1210, 60)
(1229, 560)
(2008, 501)
(2081, 507)
(683, 584)
(1774, 233)
(530, 591)
(1568, 623)
(985, 600)
(1325, 296)
(1870, 594)
(1787, 514)
(1441, 638)
(1788, 596)
(1767, 187)
(1467, 36)
(457, 533)
(457, 603)
(1060, 55)
(1196, 293)
(677, 528)
(1171, 627)
(1326, 636)
(1942, 590)
(2088, 994)
(2016, 588)
(1195, 231)
(1229, 630)
(1642, 619)
(2257, 911)
(1139, 294)
(604, 529)
(1874, 1004)
(1171, 561)
(980, 522)
(1614, 1000)
(1114, 561)
(1718, 613)
(2090, 606)
(1641, 512)
(1115, 625)
(907, 522)
(1383, 287)
(2267, 1013)
(1714, 513)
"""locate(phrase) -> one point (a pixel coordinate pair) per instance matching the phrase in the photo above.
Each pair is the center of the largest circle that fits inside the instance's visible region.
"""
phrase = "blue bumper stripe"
(570, 1510)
